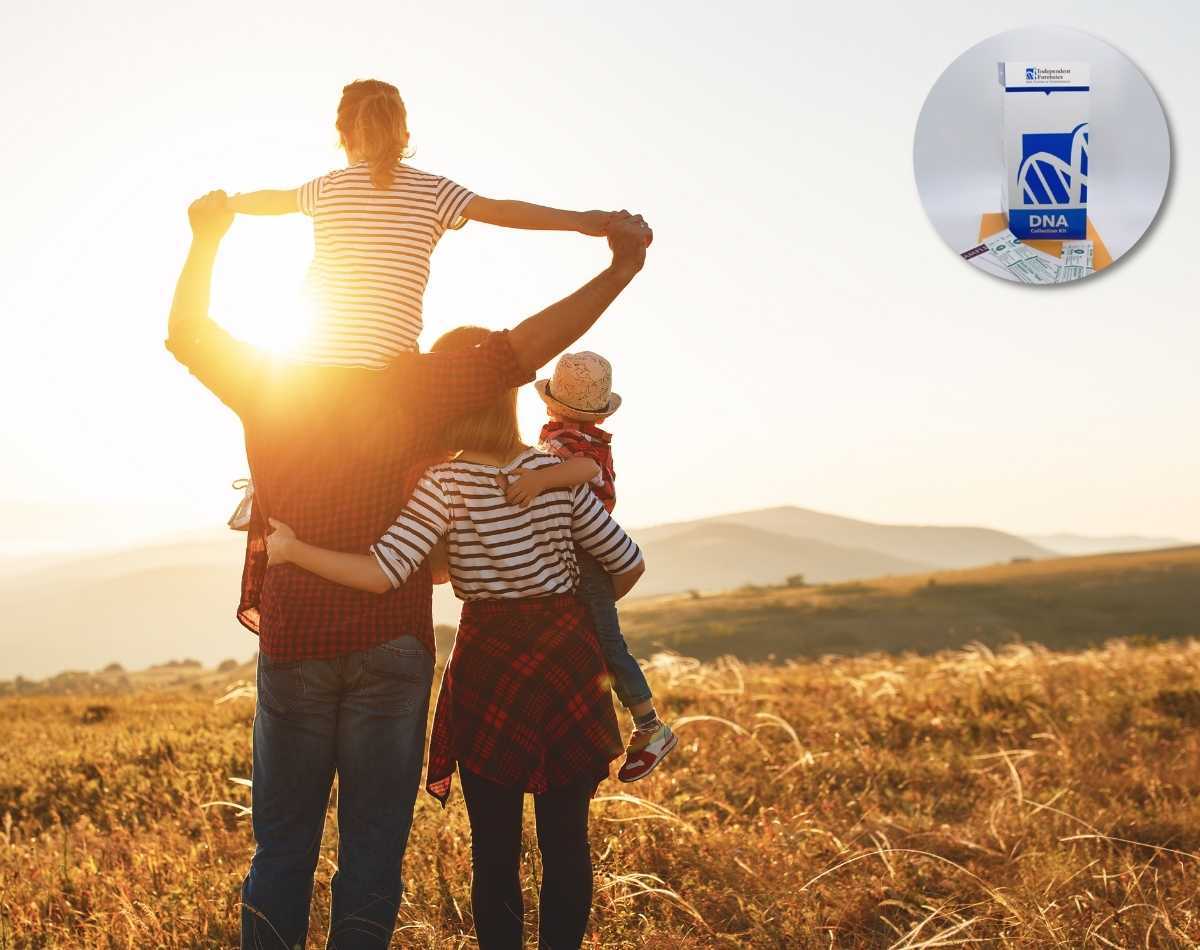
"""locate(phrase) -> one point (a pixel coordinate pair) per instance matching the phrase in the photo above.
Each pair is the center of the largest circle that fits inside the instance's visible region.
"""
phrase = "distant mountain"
(36, 530)
(137, 607)
(719, 556)
(1091, 544)
(207, 550)
(152, 603)
(928, 545)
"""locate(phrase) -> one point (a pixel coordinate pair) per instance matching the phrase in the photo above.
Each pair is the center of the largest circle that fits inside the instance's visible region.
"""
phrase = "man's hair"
(372, 120)
(491, 428)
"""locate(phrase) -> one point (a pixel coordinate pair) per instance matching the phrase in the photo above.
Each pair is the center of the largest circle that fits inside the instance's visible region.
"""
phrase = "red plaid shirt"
(525, 700)
(335, 453)
(569, 440)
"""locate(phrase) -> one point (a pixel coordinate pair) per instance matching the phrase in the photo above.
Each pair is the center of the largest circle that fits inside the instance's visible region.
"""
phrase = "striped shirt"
(497, 550)
(371, 262)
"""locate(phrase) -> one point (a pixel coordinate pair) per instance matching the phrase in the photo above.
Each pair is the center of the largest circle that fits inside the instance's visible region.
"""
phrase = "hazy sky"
(800, 335)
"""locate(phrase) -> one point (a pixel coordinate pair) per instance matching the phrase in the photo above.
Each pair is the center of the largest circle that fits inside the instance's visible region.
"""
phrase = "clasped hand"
(210, 216)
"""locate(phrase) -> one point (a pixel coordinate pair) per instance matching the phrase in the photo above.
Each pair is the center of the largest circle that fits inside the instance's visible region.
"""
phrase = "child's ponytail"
(373, 122)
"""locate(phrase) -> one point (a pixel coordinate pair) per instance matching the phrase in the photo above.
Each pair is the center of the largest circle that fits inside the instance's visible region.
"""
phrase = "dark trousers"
(566, 895)
(361, 716)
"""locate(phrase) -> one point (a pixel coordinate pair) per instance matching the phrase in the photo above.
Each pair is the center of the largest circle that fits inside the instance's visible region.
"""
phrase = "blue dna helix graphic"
(1054, 169)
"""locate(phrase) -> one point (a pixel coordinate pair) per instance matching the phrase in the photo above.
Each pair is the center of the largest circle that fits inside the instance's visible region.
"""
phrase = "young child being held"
(376, 224)
(578, 397)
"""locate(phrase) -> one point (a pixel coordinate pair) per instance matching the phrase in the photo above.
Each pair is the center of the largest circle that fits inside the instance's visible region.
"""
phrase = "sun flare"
(259, 292)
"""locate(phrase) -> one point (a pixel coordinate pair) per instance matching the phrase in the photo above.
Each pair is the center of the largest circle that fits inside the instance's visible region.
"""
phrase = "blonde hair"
(491, 428)
(373, 123)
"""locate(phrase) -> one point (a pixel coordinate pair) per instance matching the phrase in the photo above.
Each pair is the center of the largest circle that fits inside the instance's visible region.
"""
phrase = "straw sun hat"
(581, 388)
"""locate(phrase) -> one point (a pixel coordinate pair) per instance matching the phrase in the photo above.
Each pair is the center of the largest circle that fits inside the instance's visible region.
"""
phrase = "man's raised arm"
(220, 362)
(447, 384)
(543, 336)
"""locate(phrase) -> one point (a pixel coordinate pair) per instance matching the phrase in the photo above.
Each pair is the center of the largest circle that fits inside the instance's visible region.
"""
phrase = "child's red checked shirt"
(570, 440)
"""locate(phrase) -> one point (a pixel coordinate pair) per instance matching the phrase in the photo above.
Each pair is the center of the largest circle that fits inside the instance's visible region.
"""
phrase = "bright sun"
(258, 288)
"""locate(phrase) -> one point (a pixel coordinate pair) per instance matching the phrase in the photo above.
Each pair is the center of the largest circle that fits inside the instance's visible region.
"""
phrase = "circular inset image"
(1042, 155)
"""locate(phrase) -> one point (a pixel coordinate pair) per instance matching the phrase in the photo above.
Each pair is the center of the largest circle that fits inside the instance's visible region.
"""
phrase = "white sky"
(799, 336)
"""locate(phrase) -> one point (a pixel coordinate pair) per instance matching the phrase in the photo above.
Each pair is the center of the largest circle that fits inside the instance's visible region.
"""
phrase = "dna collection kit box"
(1045, 146)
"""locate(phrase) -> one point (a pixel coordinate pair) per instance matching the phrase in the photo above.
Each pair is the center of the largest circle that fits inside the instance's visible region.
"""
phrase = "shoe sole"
(657, 762)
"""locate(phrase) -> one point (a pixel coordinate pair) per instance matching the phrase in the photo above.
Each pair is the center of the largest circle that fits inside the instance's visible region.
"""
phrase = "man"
(344, 677)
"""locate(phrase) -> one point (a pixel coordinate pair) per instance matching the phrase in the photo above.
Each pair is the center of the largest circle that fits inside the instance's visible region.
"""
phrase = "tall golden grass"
(1022, 798)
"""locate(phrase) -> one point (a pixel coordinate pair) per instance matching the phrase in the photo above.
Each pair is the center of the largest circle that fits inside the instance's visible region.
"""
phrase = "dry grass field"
(1023, 798)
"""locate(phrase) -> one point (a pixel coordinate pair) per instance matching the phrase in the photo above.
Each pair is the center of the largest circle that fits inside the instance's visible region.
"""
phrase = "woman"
(524, 704)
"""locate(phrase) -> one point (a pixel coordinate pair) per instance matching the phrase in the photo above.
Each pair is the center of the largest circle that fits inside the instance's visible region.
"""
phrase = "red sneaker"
(646, 750)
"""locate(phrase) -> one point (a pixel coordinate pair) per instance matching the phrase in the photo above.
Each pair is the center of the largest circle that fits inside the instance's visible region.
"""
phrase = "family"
(378, 470)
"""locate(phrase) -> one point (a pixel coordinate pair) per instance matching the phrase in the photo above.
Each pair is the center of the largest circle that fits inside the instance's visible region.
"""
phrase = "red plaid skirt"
(525, 698)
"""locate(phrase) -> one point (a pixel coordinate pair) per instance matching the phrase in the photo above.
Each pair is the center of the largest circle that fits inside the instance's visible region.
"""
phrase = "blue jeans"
(362, 716)
(596, 592)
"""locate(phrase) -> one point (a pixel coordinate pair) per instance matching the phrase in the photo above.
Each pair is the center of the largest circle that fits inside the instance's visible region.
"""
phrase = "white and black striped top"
(497, 550)
(371, 263)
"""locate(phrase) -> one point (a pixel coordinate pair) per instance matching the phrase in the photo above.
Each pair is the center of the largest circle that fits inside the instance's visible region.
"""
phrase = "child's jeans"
(596, 592)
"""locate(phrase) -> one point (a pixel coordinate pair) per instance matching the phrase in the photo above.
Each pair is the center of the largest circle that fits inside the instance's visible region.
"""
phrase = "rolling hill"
(134, 607)
(153, 603)
(1064, 603)
(930, 545)
(1072, 544)
(721, 555)
(137, 607)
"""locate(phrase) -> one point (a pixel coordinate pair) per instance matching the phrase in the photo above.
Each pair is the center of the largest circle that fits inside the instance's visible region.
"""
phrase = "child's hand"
(439, 563)
(595, 223)
(628, 237)
(525, 489)
(278, 542)
(210, 216)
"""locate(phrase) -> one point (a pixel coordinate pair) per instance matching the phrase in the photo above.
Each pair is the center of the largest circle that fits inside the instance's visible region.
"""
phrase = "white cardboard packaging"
(1045, 146)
